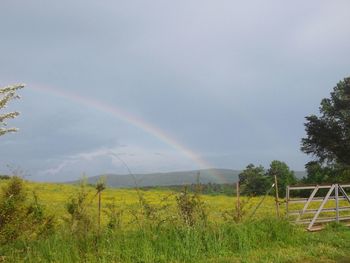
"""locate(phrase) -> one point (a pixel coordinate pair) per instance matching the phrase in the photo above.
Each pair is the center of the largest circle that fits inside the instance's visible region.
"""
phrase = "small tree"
(284, 176)
(6, 95)
(253, 180)
(191, 208)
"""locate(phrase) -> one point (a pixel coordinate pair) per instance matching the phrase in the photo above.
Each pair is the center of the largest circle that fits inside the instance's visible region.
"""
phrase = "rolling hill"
(218, 176)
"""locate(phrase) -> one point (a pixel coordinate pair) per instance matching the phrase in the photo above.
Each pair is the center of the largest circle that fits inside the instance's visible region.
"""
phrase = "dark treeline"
(4, 177)
(207, 189)
(255, 180)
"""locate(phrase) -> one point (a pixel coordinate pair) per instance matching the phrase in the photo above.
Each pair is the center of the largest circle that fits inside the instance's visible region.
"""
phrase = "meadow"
(55, 196)
(155, 226)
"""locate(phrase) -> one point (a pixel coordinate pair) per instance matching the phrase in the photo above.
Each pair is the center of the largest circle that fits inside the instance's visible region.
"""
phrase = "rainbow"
(132, 120)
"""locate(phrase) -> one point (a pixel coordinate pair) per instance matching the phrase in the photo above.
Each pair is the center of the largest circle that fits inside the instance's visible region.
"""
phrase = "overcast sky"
(229, 80)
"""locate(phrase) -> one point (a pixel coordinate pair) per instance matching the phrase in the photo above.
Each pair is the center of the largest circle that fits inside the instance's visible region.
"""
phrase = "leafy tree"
(318, 174)
(328, 135)
(6, 95)
(253, 180)
(284, 176)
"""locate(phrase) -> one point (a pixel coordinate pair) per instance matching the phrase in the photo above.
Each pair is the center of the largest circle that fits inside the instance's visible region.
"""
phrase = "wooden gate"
(335, 202)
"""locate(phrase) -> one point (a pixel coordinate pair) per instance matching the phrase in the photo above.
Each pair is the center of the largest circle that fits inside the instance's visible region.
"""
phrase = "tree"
(318, 174)
(328, 135)
(253, 180)
(6, 95)
(284, 176)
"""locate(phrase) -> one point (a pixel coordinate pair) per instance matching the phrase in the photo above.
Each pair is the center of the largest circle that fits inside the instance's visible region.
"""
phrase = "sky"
(165, 85)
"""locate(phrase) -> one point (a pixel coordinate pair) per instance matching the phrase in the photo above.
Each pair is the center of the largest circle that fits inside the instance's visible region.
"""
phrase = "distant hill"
(218, 176)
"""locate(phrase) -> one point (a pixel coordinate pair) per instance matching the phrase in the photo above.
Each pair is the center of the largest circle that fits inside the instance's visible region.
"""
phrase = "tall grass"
(159, 233)
(247, 242)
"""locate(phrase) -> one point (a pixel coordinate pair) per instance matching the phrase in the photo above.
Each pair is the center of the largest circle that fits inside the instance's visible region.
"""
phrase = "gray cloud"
(231, 80)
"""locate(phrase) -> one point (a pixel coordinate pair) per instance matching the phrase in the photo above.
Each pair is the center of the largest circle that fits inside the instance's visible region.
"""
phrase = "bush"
(81, 221)
(20, 217)
(191, 208)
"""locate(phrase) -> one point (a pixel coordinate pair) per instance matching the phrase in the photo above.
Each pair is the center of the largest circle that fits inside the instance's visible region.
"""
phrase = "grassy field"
(55, 196)
(163, 226)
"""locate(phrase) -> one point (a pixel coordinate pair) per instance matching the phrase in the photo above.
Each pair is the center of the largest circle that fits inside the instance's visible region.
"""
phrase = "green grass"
(155, 232)
(264, 240)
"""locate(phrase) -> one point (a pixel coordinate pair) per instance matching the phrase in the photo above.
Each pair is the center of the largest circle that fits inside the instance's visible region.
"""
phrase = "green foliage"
(206, 189)
(20, 217)
(100, 185)
(80, 220)
(344, 174)
(6, 95)
(263, 240)
(114, 216)
(148, 215)
(319, 174)
(253, 180)
(239, 212)
(191, 208)
(4, 177)
(155, 238)
(284, 176)
(328, 135)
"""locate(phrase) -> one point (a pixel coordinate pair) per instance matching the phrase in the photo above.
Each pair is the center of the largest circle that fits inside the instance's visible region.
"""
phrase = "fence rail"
(339, 195)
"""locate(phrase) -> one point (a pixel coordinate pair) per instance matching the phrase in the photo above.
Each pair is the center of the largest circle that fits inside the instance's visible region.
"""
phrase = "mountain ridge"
(214, 175)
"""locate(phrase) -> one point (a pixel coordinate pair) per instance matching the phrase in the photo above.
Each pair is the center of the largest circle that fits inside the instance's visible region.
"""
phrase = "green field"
(157, 226)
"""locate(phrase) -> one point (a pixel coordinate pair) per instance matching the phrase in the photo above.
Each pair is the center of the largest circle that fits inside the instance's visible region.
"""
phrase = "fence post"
(276, 199)
(337, 203)
(238, 206)
(99, 211)
(287, 201)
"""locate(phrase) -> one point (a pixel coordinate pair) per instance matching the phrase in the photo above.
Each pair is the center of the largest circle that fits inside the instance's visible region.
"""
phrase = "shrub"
(191, 208)
(81, 221)
(21, 217)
